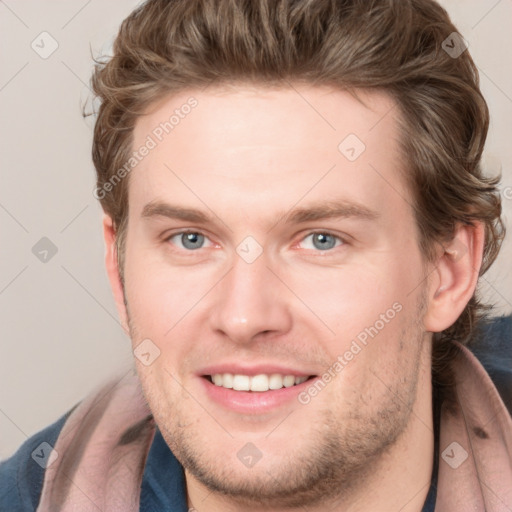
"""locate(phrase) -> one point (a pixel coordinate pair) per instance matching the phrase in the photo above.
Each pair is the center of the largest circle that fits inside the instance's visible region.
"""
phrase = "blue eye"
(190, 240)
(323, 241)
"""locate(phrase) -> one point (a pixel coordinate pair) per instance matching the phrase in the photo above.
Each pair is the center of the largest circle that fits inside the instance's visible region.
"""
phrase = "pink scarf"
(103, 446)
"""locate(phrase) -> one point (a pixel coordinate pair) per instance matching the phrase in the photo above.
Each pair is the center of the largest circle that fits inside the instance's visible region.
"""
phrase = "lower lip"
(253, 402)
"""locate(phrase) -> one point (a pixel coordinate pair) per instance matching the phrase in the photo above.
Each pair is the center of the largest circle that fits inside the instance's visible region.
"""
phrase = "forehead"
(255, 145)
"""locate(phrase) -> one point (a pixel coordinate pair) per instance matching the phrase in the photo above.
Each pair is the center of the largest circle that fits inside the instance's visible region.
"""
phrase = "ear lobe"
(112, 267)
(455, 277)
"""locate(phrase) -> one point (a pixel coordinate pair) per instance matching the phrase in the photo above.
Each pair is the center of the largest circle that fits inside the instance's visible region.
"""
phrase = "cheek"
(349, 299)
(160, 295)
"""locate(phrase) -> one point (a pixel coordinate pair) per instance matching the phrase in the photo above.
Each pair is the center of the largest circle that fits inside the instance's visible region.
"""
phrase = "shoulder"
(21, 476)
(492, 345)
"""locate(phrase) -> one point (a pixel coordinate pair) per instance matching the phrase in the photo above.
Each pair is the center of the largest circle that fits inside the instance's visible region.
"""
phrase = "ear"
(112, 266)
(455, 276)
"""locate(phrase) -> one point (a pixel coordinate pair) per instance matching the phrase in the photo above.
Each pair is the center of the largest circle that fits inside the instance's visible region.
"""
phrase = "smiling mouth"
(256, 383)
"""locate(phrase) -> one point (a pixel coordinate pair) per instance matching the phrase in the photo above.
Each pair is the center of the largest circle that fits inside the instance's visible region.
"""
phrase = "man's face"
(307, 256)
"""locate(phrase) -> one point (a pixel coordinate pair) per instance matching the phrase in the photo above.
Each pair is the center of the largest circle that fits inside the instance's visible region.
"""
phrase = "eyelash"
(311, 233)
(328, 233)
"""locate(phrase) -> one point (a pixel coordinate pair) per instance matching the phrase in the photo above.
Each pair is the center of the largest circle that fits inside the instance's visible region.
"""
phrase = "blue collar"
(163, 483)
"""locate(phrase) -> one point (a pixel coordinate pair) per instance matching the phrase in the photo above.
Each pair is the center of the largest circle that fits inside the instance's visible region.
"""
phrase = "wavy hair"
(397, 46)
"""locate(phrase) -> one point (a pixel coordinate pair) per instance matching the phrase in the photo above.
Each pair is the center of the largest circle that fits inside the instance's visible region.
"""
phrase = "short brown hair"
(167, 46)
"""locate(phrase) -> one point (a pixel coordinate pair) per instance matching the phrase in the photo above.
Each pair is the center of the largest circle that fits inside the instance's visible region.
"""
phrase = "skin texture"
(248, 157)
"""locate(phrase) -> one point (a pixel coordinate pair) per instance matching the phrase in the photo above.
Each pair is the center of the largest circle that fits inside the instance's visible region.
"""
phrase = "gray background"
(60, 337)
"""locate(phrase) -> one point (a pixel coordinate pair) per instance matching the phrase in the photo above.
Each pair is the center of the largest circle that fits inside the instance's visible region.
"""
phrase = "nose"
(250, 303)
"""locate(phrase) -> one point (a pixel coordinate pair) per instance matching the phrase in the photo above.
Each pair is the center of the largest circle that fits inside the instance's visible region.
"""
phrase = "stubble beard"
(339, 458)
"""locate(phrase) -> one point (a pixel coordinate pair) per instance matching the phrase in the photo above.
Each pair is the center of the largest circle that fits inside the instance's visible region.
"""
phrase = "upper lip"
(267, 369)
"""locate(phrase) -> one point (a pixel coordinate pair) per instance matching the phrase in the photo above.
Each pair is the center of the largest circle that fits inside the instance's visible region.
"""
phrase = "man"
(295, 223)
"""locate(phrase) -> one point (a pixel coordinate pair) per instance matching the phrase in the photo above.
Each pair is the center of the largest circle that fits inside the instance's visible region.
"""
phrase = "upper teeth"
(260, 382)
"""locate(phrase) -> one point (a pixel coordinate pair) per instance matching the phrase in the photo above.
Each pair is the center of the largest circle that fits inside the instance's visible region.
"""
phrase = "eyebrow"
(160, 209)
(331, 210)
(318, 211)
